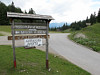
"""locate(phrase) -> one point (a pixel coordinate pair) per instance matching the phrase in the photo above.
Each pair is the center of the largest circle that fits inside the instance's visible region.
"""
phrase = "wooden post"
(47, 61)
(13, 43)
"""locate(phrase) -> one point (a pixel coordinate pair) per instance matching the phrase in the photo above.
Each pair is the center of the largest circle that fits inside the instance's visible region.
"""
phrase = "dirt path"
(5, 33)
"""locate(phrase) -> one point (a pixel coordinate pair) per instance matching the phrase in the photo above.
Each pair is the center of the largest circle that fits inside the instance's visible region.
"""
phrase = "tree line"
(80, 24)
(64, 27)
(10, 8)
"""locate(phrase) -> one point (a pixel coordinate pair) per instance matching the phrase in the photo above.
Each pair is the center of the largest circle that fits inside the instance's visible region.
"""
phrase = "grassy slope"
(5, 29)
(93, 37)
(32, 62)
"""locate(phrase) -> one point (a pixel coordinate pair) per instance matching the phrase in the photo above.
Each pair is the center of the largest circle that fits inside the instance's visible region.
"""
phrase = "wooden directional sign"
(30, 27)
(35, 24)
(31, 32)
(28, 37)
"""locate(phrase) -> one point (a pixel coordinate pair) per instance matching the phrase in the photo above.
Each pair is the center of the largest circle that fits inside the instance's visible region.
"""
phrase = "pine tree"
(11, 8)
(64, 27)
(98, 16)
(91, 19)
(31, 11)
(3, 11)
(87, 20)
(94, 17)
(25, 12)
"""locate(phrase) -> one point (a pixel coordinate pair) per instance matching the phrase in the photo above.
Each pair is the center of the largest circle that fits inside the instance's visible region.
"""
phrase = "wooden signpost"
(28, 37)
(29, 28)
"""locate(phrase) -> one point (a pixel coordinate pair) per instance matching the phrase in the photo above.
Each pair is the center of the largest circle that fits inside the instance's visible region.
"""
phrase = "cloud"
(61, 10)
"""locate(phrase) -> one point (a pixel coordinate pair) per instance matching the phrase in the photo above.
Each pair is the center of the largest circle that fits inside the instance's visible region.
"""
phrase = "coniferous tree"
(98, 16)
(25, 12)
(18, 10)
(94, 17)
(87, 20)
(83, 23)
(3, 11)
(11, 8)
(31, 11)
(64, 27)
(91, 19)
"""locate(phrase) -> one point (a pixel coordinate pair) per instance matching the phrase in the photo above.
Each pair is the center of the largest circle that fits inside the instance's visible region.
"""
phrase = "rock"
(79, 35)
(49, 69)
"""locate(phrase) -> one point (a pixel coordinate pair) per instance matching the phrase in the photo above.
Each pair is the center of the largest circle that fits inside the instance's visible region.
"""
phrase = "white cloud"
(61, 10)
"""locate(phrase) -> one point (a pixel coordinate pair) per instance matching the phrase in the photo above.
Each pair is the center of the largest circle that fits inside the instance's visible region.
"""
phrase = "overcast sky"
(61, 10)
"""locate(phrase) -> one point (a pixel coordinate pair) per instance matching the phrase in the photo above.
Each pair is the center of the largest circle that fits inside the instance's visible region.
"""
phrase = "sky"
(61, 10)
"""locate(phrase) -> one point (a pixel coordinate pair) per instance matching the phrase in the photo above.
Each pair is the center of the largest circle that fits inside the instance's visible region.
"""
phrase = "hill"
(91, 39)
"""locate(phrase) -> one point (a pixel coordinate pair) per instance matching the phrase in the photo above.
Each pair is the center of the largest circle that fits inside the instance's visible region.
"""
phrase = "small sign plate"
(33, 42)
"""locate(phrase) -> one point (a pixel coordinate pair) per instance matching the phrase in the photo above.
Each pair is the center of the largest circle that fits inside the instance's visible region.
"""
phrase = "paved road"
(79, 55)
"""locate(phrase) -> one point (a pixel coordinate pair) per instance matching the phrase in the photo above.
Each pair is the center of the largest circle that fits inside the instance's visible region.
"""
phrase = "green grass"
(5, 28)
(93, 37)
(1, 35)
(32, 62)
(67, 31)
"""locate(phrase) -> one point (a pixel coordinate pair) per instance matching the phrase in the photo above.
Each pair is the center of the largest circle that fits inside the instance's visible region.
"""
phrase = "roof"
(29, 16)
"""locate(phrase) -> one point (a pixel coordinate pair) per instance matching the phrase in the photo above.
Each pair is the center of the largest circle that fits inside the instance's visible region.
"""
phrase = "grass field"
(93, 37)
(1, 34)
(5, 28)
(32, 62)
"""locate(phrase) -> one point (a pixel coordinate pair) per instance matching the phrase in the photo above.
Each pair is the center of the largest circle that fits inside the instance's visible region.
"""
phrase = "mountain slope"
(92, 39)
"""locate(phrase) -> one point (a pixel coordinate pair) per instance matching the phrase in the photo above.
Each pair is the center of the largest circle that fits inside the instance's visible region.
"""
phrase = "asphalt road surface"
(77, 54)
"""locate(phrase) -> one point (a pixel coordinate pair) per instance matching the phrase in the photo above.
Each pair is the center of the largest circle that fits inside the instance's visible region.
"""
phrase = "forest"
(10, 8)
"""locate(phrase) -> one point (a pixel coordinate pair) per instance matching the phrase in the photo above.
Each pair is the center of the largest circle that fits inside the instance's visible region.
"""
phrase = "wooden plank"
(35, 24)
(29, 16)
(31, 32)
(28, 37)
(29, 27)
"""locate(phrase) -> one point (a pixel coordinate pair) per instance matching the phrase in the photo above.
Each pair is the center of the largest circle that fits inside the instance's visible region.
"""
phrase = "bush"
(96, 48)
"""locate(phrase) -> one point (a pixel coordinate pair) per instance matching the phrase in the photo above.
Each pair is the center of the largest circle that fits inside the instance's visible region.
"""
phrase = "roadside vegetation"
(90, 37)
(32, 62)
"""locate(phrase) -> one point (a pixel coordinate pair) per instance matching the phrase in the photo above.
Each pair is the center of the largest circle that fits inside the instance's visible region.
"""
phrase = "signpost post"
(47, 61)
(30, 28)
(13, 42)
